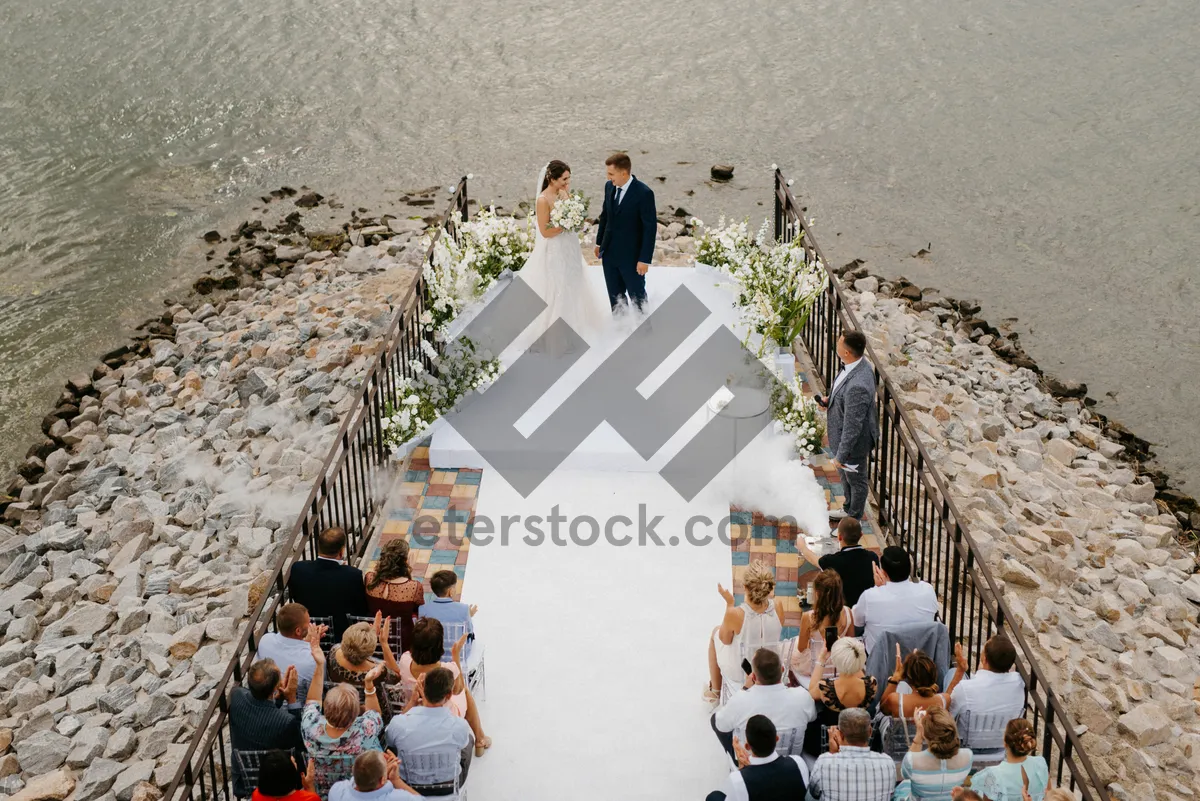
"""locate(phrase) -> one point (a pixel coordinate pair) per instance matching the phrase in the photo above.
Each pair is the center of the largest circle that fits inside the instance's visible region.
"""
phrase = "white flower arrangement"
(419, 401)
(463, 269)
(570, 212)
(799, 416)
(778, 285)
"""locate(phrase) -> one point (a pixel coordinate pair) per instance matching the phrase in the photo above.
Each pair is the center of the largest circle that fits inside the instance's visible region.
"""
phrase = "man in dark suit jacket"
(853, 422)
(762, 774)
(326, 586)
(626, 234)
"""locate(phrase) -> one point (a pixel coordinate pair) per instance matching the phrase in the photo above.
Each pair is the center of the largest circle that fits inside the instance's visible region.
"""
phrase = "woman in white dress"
(557, 272)
(757, 622)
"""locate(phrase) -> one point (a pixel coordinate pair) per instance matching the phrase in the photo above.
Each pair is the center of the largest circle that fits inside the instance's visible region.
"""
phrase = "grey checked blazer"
(853, 420)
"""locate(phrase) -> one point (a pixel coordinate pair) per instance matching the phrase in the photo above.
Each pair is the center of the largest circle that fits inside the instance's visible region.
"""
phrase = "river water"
(1046, 150)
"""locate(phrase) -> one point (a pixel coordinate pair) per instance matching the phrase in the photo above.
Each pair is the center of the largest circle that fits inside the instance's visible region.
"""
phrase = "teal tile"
(443, 557)
(465, 477)
(741, 557)
(741, 518)
(435, 502)
(785, 546)
(764, 532)
(416, 475)
(782, 588)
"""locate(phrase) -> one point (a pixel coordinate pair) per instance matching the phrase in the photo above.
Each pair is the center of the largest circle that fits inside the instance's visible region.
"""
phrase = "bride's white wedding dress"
(557, 272)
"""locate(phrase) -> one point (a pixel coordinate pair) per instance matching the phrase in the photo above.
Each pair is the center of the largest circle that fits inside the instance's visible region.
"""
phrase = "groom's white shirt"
(623, 189)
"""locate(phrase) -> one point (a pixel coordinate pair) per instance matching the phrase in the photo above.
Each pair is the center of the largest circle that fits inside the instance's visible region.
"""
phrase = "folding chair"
(783, 648)
(245, 772)
(984, 735)
(330, 769)
(477, 679)
(434, 773)
(894, 739)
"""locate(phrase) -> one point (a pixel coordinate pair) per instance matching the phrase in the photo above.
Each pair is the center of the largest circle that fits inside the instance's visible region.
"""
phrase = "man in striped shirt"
(851, 771)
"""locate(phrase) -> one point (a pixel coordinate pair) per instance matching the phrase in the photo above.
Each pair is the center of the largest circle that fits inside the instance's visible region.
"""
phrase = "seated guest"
(851, 771)
(258, 719)
(966, 794)
(279, 779)
(431, 727)
(756, 622)
(327, 587)
(391, 589)
(762, 774)
(446, 609)
(426, 655)
(829, 611)
(854, 563)
(288, 647)
(352, 659)
(921, 675)
(935, 763)
(339, 727)
(994, 689)
(376, 778)
(894, 601)
(764, 694)
(851, 689)
(1005, 780)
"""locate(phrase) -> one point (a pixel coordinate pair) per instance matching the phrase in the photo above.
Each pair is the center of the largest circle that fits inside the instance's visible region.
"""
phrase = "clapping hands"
(287, 687)
(740, 752)
(960, 658)
(880, 577)
(313, 638)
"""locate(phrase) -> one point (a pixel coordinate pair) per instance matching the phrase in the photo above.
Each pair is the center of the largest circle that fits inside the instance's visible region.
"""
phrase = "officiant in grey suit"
(853, 422)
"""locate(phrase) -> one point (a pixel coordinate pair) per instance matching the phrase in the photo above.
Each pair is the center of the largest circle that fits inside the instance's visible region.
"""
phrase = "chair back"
(791, 741)
(396, 637)
(245, 771)
(432, 773)
(452, 633)
(330, 769)
(328, 640)
(984, 735)
(933, 638)
(783, 648)
(894, 737)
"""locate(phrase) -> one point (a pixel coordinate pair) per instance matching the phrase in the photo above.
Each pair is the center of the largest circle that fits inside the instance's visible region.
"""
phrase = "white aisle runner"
(596, 655)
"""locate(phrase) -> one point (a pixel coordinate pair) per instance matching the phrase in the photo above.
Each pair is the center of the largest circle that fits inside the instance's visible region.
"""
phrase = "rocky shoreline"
(1096, 552)
(136, 536)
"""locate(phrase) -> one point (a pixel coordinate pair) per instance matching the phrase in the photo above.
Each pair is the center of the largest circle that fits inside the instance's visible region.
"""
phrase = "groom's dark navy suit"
(625, 237)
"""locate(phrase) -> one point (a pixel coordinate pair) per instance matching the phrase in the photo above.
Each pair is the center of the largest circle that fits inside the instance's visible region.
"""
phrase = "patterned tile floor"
(756, 538)
(434, 510)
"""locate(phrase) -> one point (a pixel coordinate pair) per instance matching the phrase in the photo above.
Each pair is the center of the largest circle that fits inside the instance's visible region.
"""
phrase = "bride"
(556, 271)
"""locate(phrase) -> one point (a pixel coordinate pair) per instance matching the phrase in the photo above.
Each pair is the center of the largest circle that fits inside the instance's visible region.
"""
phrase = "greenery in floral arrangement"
(778, 290)
(799, 416)
(462, 270)
(420, 400)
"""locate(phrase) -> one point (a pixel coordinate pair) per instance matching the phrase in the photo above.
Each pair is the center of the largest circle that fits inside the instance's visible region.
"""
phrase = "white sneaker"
(838, 514)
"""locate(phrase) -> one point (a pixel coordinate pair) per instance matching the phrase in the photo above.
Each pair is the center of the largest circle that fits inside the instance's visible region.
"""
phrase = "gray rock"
(137, 772)
(43, 752)
(88, 744)
(98, 779)
(1147, 723)
(122, 744)
(118, 698)
(1104, 634)
(85, 618)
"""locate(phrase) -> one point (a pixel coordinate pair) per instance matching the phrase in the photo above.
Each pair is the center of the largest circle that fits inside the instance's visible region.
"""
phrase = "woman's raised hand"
(898, 673)
(726, 594)
(456, 649)
(313, 638)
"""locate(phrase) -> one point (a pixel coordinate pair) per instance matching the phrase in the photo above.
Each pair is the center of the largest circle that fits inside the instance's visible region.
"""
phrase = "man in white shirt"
(761, 772)
(894, 601)
(995, 689)
(431, 727)
(288, 647)
(764, 694)
(376, 778)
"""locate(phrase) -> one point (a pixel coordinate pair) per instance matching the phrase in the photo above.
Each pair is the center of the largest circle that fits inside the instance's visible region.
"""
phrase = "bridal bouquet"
(799, 416)
(570, 213)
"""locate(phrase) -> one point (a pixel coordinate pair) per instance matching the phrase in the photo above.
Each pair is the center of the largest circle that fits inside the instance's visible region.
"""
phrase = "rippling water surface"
(1047, 150)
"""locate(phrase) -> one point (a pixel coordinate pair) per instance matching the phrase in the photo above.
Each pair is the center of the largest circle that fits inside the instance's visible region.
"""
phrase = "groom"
(628, 228)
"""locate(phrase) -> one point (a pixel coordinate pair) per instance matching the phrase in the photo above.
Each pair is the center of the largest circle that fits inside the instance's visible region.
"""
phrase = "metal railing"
(349, 493)
(918, 513)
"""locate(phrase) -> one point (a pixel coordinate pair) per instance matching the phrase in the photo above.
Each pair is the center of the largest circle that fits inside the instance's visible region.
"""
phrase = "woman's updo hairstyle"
(758, 582)
(1018, 736)
(554, 171)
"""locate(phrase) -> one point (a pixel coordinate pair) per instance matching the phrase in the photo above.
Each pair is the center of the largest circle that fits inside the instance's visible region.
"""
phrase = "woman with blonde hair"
(851, 689)
(1020, 768)
(352, 660)
(934, 764)
(756, 622)
(339, 727)
(829, 612)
